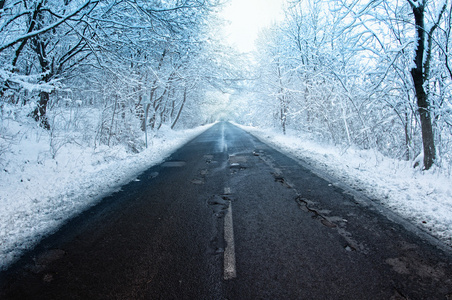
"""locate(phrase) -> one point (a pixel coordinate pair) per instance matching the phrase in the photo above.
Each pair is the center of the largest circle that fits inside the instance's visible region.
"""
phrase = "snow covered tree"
(47, 31)
(421, 73)
(146, 45)
(375, 74)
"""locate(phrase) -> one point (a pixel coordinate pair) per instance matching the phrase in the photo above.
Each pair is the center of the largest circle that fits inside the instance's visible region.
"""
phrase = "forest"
(371, 74)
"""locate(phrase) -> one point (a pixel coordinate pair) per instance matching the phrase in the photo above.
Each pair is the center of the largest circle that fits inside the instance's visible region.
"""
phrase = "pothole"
(237, 159)
(219, 205)
(258, 152)
(49, 256)
(197, 181)
(349, 248)
(46, 258)
(209, 159)
(47, 278)
(153, 175)
(174, 164)
(279, 178)
(237, 162)
(328, 223)
(216, 245)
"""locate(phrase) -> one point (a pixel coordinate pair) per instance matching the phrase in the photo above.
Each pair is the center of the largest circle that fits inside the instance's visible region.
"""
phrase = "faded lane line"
(223, 146)
(227, 190)
(229, 252)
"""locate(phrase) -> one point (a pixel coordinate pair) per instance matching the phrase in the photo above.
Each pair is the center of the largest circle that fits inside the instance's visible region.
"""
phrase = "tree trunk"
(39, 46)
(407, 137)
(282, 100)
(39, 114)
(180, 109)
(154, 88)
(419, 78)
(283, 114)
(146, 112)
(428, 141)
(110, 133)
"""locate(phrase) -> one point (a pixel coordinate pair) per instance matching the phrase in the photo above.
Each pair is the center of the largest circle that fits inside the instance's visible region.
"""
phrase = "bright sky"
(247, 17)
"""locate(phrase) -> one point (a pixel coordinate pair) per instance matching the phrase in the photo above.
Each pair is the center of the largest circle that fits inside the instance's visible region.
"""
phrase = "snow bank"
(423, 198)
(38, 193)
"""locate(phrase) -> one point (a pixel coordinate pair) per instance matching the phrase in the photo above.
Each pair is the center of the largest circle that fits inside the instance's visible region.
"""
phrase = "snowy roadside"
(423, 198)
(38, 194)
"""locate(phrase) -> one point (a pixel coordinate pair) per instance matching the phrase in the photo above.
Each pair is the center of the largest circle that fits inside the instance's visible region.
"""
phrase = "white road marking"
(229, 252)
(227, 190)
(223, 146)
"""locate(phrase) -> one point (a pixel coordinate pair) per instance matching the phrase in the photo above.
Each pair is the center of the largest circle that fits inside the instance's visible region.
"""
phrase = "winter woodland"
(88, 71)
(372, 74)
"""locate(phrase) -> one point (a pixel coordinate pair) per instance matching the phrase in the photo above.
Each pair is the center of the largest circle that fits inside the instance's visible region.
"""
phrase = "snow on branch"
(28, 82)
(416, 3)
(47, 28)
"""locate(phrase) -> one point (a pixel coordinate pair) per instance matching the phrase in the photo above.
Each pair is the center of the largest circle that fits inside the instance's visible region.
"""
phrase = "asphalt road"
(228, 217)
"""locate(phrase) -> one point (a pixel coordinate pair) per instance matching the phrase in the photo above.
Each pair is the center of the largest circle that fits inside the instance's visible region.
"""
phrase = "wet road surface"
(228, 217)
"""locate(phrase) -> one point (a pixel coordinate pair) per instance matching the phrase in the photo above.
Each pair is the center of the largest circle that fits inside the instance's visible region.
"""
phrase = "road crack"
(305, 203)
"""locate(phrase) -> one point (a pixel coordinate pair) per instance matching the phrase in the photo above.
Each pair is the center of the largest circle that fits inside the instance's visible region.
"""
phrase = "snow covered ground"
(423, 198)
(38, 193)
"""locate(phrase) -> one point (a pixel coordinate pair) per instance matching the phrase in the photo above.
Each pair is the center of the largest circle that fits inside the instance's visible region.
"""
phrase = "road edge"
(361, 198)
